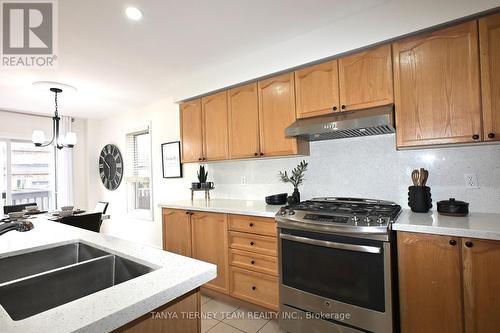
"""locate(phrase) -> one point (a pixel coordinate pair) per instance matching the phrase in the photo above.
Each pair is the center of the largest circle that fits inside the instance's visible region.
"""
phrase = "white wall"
(164, 119)
(391, 19)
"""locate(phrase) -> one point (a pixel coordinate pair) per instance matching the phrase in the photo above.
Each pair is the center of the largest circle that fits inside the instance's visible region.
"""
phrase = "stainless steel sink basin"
(60, 275)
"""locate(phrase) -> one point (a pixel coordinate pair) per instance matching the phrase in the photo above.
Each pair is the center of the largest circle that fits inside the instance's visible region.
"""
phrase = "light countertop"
(108, 309)
(475, 225)
(229, 206)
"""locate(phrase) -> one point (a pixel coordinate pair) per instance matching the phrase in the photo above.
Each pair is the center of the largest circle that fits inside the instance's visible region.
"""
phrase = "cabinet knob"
(453, 242)
(252, 262)
(261, 154)
(251, 224)
(475, 137)
(204, 158)
(187, 213)
(343, 107)
(199, 159)
(491, 135)
(334, 108)
(256, 154)
(254, 287)
(468, 244)
(252, 243)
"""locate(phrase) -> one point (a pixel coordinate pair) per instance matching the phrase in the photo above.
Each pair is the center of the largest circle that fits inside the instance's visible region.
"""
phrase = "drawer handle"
(254, 287)
(453, 242)
(334, 108)
(252, 262)
(491, 135)
(252, 243)
(475, 137)
(469, 244)
(343, 107)
(256, 154)
(251, 224)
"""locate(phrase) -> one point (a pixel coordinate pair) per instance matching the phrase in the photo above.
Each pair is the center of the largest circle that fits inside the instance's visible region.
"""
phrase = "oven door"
(345, 276)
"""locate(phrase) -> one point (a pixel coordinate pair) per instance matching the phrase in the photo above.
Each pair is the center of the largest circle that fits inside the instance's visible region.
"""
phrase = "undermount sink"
(40, 280)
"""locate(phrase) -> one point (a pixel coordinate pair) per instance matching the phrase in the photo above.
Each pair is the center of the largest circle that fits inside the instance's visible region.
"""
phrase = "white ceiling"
(119, 65)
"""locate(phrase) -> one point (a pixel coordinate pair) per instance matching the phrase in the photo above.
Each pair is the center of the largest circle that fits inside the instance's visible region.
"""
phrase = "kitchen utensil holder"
(419, 199)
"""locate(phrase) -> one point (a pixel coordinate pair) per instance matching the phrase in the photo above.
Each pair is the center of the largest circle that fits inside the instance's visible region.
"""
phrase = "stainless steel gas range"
(337, 266)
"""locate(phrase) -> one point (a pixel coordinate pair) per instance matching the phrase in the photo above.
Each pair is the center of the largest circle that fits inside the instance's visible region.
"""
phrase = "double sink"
(40, 280)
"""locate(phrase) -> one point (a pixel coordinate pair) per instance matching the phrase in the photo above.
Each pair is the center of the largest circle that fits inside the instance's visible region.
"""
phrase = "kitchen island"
(171, 277)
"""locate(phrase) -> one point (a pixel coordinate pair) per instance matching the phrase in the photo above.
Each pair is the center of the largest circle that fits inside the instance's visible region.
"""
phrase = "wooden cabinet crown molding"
(436, 80)
(365, 79)
(489, 45)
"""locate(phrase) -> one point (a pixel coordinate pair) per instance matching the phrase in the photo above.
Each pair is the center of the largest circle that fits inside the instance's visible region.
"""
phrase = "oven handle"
(333, 245)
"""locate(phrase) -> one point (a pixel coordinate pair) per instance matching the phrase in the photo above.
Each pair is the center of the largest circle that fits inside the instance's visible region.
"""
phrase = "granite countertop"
(108, 309)
(229, 206)
(475, 225)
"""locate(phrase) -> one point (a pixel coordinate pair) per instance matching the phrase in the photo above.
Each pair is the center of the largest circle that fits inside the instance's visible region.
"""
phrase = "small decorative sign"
(171, 159)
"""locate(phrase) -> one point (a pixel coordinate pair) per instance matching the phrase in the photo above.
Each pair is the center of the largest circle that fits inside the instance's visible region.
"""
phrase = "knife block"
(419, 199)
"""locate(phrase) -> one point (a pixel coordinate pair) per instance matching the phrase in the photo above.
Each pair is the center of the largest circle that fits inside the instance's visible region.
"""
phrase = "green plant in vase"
(202, 174)
(296, 178)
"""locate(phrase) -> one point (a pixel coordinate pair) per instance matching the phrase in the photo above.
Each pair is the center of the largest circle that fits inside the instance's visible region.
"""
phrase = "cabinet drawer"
(252, 224)
(254, 287)
(253, 261)
(253, 243)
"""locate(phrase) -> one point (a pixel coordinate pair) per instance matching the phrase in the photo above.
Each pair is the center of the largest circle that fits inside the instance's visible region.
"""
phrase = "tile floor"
(224, 318)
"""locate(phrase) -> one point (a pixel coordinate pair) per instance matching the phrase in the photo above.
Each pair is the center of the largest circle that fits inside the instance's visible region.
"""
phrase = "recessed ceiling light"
(133, 13)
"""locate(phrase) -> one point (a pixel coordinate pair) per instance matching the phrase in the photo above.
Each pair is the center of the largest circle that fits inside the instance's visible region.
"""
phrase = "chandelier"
(60, 142)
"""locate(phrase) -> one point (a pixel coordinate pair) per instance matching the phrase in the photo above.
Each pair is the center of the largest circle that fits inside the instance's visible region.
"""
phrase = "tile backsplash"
(369, 167)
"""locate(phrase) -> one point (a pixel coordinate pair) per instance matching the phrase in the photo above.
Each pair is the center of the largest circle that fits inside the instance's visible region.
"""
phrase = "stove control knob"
(283, 212)
(292, 212)
(380, 220)
(355, 218)
(368, 219)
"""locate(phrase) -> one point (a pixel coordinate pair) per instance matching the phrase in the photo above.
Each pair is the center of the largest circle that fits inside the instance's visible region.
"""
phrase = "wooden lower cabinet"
(177, 231)
(172, 317)
(257, 288)
(448, 284)
(209, 237)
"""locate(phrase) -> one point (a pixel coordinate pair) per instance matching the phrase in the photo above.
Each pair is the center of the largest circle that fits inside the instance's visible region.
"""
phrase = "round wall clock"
(111, 167)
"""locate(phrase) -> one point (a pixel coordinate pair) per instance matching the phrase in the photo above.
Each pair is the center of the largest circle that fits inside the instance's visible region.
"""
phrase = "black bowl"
(277, 199)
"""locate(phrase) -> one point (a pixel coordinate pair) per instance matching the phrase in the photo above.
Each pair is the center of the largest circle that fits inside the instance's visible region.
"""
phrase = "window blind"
(138, 163)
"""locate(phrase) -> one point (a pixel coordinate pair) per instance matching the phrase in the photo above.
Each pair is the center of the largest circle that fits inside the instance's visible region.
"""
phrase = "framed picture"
(171, 159)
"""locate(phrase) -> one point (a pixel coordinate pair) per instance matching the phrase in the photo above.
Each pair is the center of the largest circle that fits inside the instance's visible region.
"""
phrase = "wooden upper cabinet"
(436, 87)
(365, 79)
(481, 265)
(317, 89)
(430, 284)
(215, 134)
(489, 44)
(191, 131)
(176, 231)
(276, 113)
(210, 244)
(243, 111)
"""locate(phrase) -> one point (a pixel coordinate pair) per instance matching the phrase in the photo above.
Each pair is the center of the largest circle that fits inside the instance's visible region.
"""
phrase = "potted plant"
(296, 178)
(202, 177)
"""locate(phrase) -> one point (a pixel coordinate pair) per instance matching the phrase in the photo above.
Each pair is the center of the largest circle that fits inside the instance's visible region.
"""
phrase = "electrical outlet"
(471, 180)
(243, 180)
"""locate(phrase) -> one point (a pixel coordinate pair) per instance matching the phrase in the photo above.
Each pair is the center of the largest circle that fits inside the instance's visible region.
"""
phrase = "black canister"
(419, 199)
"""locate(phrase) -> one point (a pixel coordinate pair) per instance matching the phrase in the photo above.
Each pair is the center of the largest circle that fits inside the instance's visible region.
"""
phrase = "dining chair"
(101, 207)
(90, 221)
(17, 208)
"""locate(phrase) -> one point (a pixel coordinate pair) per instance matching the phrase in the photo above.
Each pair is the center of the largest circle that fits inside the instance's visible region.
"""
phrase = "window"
(26, 174)
(138, 173)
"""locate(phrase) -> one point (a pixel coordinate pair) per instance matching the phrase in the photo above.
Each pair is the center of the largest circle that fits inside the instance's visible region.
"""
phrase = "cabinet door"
(481, 264)
(317, 89)
(430, 283)
(243, 113)
(191, 131)
(276, 113)
(177, 231)
(215, 137)
(436, 87)
(365, 79)
(210, 244)
(489, 43)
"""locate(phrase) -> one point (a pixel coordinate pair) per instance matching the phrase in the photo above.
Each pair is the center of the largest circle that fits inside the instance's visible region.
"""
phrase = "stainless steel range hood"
(372, 121)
